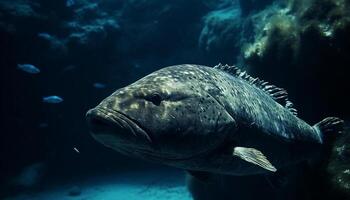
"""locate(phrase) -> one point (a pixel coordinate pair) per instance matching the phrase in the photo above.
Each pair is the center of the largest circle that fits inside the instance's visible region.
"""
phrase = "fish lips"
(116, 130)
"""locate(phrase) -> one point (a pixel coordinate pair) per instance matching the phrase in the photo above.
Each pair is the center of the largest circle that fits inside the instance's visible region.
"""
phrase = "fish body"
(218, 120)
(99, 85)
(45, 36)
(52, 99)
(29, 68)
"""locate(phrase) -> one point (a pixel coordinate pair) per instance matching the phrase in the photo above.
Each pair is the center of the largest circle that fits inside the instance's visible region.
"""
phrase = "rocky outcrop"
(220, 36)
(250, 6)
(302, 44)
(339, 166)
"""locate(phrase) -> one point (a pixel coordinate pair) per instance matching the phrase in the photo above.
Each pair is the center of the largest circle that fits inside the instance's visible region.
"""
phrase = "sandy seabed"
(125, 186)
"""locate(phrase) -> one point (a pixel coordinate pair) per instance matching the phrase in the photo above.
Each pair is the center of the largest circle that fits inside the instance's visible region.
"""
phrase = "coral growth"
(286, 25)
(305, 37)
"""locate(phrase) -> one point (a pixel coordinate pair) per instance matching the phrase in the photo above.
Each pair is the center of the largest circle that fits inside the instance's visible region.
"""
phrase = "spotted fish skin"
(192, 117)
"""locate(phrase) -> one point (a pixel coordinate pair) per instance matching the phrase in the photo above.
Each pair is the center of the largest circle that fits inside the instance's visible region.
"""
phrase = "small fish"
(29, 68)
(76, 150)
(45, 36)
(70, 3)
(52, 99)
(99, 85)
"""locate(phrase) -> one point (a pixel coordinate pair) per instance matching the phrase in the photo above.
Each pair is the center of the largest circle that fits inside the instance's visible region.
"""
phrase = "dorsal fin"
(280, 95)
(290, 107)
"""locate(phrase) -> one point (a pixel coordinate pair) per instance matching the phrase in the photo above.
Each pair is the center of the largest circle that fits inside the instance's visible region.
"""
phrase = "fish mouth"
(107, 125)
(120, 132)
(116, 130)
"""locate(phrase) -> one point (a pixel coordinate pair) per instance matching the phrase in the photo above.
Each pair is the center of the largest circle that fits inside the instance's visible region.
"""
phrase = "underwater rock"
(248, 6)
(302, 46)
(168, 34)
(91, 26)
(70, 3)
(14, 12)
(284, 26)
(18, 8)
(90, 34)
(220, 34)
(31, 175)
(305, 38)
(219, 4)
(55, 44)
(271, 27)
(339, 165)
(74, 191)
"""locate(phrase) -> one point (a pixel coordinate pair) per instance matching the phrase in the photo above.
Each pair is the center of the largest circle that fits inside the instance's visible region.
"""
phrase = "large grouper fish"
(208, 120)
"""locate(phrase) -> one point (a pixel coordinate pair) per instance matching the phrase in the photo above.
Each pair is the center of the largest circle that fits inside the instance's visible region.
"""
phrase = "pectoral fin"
(254, 156)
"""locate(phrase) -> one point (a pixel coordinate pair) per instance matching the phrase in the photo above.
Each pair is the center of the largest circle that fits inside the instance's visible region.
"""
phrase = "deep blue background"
(145, 36)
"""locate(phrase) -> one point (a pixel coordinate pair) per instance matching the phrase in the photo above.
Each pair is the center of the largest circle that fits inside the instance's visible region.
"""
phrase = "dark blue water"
(60, 58)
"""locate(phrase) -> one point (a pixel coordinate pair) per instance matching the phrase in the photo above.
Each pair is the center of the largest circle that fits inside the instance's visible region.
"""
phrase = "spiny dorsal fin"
(280, 95)
(290, 107)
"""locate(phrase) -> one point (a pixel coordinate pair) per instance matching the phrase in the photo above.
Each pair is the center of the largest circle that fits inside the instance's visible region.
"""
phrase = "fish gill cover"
(85, 49)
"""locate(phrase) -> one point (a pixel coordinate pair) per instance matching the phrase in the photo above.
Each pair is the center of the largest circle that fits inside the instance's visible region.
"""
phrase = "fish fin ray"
(290, 106)
(329, 127)
(280, 95)
(254, 156)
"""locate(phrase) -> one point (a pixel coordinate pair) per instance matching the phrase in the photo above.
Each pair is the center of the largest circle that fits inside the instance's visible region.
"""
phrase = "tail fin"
(329, 128)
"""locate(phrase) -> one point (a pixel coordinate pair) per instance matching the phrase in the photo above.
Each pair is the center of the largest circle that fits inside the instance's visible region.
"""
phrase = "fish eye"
(155, 98)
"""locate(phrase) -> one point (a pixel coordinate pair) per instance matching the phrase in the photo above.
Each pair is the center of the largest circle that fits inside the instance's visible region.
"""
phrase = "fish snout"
(98, 123)
(116, 130)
